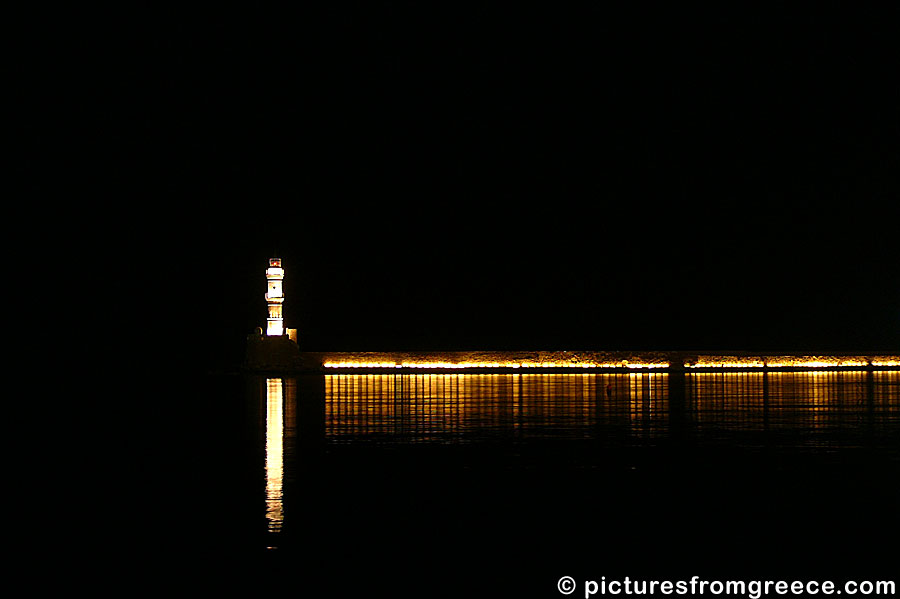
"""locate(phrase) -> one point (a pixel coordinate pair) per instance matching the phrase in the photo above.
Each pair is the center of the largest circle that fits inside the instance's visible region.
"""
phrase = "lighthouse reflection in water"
(280, 419)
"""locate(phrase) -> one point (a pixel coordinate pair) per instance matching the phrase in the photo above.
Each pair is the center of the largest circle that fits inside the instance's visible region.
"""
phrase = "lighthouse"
(276, 349)
(275, 298)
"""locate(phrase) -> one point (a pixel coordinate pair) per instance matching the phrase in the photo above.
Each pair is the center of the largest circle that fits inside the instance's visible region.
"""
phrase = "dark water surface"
(444, 484)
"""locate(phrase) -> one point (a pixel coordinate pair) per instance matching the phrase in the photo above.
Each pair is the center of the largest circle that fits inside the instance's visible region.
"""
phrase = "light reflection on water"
(810, 410)
(280, 423)
(416, 408)
(274, 453)
(825, 408)
(441, 408)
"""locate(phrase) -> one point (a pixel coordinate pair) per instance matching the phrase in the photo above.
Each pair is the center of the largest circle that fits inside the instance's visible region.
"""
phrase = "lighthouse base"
(276, 353)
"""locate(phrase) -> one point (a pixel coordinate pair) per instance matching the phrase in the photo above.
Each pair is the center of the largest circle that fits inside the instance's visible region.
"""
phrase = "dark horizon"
(510, 177)
(337, 308)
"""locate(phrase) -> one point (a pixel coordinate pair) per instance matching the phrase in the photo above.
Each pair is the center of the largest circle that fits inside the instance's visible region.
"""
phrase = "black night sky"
(510, 175)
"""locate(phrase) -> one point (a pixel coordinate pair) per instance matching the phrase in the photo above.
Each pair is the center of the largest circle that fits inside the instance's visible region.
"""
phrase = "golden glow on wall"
(595, 360)
(814, 362)
(726, 362)
(886, 361)
(792, 361)
(274, 454)
(507, 364)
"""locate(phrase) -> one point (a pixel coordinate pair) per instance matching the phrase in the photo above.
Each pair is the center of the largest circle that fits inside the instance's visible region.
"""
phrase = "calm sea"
(518, 479)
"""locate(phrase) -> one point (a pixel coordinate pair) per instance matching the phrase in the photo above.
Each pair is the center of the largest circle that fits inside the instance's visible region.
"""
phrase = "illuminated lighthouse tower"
(275, 298)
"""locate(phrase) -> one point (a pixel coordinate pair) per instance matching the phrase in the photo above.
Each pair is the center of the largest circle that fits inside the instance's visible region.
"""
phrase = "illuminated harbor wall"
(791, 361)
(625, 361)
(495, 360)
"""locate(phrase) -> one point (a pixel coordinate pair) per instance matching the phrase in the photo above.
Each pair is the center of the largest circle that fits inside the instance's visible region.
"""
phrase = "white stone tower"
(275, 298)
